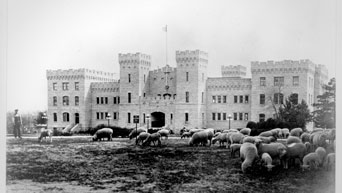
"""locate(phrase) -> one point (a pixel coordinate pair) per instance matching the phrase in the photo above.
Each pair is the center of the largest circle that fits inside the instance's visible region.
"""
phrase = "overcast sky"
(63, 34)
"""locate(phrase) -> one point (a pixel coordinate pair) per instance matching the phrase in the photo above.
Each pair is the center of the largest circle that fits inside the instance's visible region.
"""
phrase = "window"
(114, 116)
(65, 85)
(144, 94)
(186, 117)
(77, 101)
(128, 117)
(65, 100)
(262, 81)
(129, 77)
(65, 117)
(295, 80)
(219, 116)
(144, 78)
(241, 98)
(219, 99)
(214, 116)
(97, 100)
(186, 97)
(240, 116)
(54, 101)
(246, 99)
(55, 117)
(101, 100)
(224, 99)
(187, 76)
(97, 115)
(235, 99)
(246, 116)
(278, 98)
(114, 100)
(295, 96)
(224, 116)
(77, 86)
(235, 116)
(106, 100)
(54, 86)
(261, 117)
(129, 97)
(262, 99)
(171, 118)
(101, 115)
(214, 99)
(279, 81)
(202, 97)
(118, 100)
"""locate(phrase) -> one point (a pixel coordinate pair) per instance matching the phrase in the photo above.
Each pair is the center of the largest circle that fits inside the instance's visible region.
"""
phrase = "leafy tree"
(294, 113)
(325, 114)
(40, 118)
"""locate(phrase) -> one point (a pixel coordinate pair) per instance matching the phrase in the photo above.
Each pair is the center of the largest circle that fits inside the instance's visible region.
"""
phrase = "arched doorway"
(157, 119)
(77, 118)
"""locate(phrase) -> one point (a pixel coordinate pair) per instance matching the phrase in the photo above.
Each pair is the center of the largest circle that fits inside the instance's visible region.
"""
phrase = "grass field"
(76, 164)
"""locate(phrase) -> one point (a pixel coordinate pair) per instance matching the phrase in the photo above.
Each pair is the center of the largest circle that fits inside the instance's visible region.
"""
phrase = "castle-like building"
(178, 96)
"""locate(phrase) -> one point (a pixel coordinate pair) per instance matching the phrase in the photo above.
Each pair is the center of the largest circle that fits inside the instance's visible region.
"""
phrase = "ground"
(77, 164)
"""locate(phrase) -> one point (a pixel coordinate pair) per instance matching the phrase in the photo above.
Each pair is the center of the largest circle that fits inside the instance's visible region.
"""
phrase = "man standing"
(17, 124)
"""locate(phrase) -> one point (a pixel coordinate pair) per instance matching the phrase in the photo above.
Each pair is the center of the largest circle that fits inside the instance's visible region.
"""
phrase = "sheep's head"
(282, 151)
(305, 167)
(269, 167)
(94, 138)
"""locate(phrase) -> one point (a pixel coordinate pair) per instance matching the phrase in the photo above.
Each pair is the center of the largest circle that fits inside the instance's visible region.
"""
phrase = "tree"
(40, 119)
(325, 114)
(294, 113)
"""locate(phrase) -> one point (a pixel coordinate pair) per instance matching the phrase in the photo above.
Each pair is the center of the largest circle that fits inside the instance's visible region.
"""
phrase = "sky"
(65, 34)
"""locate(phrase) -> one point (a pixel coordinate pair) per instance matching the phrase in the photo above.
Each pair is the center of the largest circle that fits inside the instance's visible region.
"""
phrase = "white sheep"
(248, 154)
(236, 138)
(318, 139)
(199, 138)
(305, 137)
(309, 147)
(267, 139)
(136, 132)
(44, 133)
(221, 138)
(310, 160)
(103, 133)
(267, 160)
(165, 133)
(249, 139)
(234, 148)
(141, 137)
(217, 133)
(210, 132)
(321, 153)
(285, 132)
(293, 151)
(267, 134)
(154, 137)
(276, 150)
(246, 131)
(276, 132)
(186, 135)
(293, 139)
(330, 161)
(296, 132)
(193, 131)
(331, 135)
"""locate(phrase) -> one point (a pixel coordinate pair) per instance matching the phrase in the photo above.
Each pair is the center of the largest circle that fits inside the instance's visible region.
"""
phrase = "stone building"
(178, 96)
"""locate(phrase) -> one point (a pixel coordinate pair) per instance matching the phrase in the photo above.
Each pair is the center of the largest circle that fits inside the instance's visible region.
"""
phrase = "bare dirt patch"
(80, 165)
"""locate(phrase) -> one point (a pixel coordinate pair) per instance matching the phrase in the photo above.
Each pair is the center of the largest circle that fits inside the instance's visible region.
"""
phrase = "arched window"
(65, 117)
(54, 101)
(77, 100)
(65, 100)
(55, 117)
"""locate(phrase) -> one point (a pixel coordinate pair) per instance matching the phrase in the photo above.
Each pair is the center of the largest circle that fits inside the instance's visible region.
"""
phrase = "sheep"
(318, 139)
(185, 135)
(276, 150)
(236, 138)
(165, 133)
(310, 160)
(44, 134)
(221, 138)
(330, 161)
(193, 131)
(331, 135)
(321, 153)
(141, 137)
(296, 132)
(266, 158)
(136, 132)
(246, 131)
(184, 129)
(293, 151)
(267, 139)
(153, 138)
(233, 130)
(305, 137)
(234, 148)
(317, 130)
(309, 147)
(293, 139)
(210, 132)
(276, 132)
(198, 138)
(103, 133)
(217, 134)
(266, 134)
(249, 139)
(248, 154)
(285, 132)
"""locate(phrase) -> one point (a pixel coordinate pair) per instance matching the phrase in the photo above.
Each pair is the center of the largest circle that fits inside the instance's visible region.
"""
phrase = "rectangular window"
(262, 99)
(218, 99)
(171, 118)
(278, 98)
(114, 98)
(246, 116)
(54, 86)
(54, 101)
(144, 78)
(144, 94)
(235, 116)
(295, 80)
(186, 117)
(262, 81)
(55, 117)
(202, 97)
(114, 116)
(77, 87)
(240, 116)
(219, 116)
(106, 100)
(97, 115)
(224, 116)
(128, 117)
(97, 100)
(224, 99)
(295, 96)
(118, 100)
(129, 97)
(235, 99)
(214, 99)
(246, 99)
(77, 101)
(144, 118)
(261, 117)
(65, 85)
(101, 115)
(187, 76)
(279, 81)
(186, 97)
(214, 116)
(129, 77)
(241, 98)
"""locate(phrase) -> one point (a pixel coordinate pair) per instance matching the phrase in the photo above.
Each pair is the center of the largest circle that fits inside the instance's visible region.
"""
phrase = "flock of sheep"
(274, 147)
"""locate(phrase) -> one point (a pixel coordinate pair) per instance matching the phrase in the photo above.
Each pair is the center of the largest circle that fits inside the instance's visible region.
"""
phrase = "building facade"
(180, 96)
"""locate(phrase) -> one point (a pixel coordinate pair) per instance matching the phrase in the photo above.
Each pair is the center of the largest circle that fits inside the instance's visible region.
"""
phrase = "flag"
(165, 28)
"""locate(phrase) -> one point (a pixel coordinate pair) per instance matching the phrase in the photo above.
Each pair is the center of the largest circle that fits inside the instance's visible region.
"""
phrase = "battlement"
(233, 71)
(192, 56)
(162, 70)
(229, 83)
(159, 100)
(105, 86)
(137, 58)
(81, 73)
(284, 65)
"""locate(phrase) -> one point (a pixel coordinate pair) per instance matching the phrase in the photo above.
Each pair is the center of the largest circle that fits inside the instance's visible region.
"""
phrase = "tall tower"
(190, 88)
(134, 70)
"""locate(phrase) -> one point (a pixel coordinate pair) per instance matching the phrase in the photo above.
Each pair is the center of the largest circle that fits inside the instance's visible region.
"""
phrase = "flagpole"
(166, 42)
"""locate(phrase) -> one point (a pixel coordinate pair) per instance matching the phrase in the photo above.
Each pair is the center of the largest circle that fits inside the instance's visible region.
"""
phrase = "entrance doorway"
(77, 118)
(157, 119)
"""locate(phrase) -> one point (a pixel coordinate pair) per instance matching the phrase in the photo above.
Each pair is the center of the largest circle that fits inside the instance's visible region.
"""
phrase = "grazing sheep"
(249, 139)
(246, 131)
(184, 129)
(141, 137)
(309, 147)
(193, 131)
(210, 132)
(185, 135)
(248, 154)
(221, 138)
(267, 139)
(234, 148)
(321, 152)
(136, 132)
(165, 133)
(199, 138)
(267, 134)
(103, 133)
(276, 150)
(276, 132)
(293, 139)
(236, 138)
(305, 137)
(44, 134)
(153, 138)
(293, 151)
(318, 139)
(330, 161)
(285, 132)
(266, 158)
(310, 160)
(296, 132)
(217, 133)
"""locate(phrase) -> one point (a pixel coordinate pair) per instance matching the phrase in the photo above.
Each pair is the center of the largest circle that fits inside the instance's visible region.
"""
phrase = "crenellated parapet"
(233, 71)
(105, 87)
(285, 66)
(194, 56)
(77, 74)
(134, 59)
(229, 83)
(161, 71)
(159, 100)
